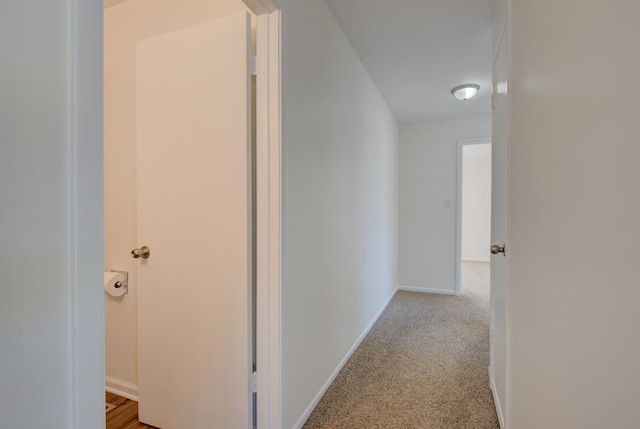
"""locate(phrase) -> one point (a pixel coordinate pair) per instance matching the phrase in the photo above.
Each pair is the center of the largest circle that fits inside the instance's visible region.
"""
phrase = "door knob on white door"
(495, 249)
(144, 252)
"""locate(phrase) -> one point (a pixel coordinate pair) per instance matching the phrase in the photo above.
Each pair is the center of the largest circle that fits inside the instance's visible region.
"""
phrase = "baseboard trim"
(496, 401)
(121, 388)
(314, 403)
(427, 290)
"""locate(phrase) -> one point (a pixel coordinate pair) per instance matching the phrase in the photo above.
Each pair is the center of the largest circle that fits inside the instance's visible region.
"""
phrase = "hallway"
(423, 365)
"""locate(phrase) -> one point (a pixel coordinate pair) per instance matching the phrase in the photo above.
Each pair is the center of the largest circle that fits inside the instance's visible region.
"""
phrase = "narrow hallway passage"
(423, 365)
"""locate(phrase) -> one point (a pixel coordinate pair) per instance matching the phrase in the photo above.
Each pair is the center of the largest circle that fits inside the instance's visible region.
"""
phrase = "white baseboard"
(121, 388)
(496, 401)
(314, 403)
(427, 290)
(476, 260)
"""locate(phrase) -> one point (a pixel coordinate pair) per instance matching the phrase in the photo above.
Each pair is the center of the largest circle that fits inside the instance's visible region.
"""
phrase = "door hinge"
(254, 382)
(254, 65)
(493, 101)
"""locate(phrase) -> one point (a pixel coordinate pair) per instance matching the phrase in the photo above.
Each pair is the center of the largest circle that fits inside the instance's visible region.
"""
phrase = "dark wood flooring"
(125, 415)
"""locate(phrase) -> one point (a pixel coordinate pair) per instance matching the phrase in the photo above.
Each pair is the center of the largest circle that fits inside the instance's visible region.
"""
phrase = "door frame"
(268, 212)
(460, 152)
(86, 124)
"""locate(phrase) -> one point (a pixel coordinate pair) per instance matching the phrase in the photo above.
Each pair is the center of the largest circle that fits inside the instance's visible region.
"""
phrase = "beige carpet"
(423, 365)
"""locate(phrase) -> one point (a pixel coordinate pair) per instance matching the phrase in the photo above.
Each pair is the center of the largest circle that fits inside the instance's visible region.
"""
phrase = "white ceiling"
(417, 50)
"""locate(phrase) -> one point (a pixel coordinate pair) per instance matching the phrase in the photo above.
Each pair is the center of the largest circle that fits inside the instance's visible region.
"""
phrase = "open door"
(194, 214)
(499, 227)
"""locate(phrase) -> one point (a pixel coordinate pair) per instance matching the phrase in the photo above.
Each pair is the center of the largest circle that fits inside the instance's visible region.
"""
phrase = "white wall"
(125, 24)
(476, 202)
(340, 190)
(428, 163)
(51, 358)
(575, 210)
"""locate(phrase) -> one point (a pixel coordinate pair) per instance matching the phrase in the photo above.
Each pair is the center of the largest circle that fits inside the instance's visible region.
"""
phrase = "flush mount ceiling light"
(465, 92)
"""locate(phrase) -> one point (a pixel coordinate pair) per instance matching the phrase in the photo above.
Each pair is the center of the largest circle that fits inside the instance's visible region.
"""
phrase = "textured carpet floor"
(423, 365)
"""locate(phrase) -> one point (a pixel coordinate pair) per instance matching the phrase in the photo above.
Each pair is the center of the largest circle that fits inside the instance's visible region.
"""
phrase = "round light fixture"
(465, 92)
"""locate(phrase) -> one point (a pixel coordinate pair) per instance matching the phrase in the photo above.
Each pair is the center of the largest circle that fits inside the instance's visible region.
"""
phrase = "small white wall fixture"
(460, 157)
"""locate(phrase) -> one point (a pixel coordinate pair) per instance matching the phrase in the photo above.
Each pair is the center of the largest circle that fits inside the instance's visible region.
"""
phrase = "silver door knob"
(144, 252)
(495, 249)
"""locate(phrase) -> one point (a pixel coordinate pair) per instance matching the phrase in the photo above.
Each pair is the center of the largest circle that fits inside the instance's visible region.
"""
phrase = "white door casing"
(194, 197)
(268, 219)
(459, 202)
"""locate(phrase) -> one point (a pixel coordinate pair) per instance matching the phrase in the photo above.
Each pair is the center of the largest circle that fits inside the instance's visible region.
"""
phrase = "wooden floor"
(125, 415)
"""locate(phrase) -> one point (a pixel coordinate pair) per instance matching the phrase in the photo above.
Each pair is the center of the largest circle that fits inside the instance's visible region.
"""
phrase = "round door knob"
(144, 252)
(495, 249)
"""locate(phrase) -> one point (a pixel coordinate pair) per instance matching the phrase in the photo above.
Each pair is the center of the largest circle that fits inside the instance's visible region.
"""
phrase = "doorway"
(473, 233)
(122, 204)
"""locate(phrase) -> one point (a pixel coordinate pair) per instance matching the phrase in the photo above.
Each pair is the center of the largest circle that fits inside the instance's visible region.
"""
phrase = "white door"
(499, 225)
(194, 197)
